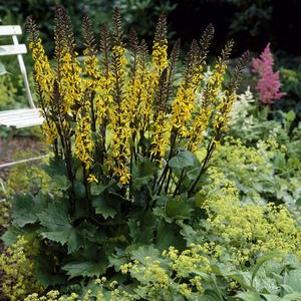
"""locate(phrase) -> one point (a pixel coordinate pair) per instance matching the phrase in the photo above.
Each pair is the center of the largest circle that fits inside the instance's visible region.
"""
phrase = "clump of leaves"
(263, 159)
(192, 275)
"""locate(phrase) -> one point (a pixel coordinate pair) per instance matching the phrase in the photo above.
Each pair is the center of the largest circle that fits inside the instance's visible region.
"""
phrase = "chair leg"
(6, 142)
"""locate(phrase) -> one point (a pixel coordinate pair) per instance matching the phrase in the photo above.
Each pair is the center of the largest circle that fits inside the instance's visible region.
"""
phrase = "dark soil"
(20, 148)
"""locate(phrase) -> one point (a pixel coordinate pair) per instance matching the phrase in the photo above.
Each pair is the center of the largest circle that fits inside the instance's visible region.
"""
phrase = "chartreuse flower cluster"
(18, 272)
(176, 274)
(55, 295)
(246, 231)
(4, 213)
(121, 103)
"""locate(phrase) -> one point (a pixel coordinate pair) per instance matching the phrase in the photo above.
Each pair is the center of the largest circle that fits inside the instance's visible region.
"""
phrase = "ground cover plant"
(162, 183)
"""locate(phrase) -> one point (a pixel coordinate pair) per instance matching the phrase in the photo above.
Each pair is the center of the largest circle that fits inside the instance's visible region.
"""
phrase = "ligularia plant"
(116, 107)
(124, 135)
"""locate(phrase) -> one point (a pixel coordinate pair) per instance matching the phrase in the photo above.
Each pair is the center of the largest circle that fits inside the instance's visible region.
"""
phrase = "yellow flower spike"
(159, 53)
(70, 84)
(84, 144)
(44, 78)
(120, 119)
(43, 74)
(49, 131)
(91, 62)
(161, 135)
(185, 99)
(222, 118)
(210, 97)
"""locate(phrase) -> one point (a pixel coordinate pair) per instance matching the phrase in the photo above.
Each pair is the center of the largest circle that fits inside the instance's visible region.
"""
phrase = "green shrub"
(18, 278)
(24, 178)
(7, 92)
(264, 161)
(250, 16)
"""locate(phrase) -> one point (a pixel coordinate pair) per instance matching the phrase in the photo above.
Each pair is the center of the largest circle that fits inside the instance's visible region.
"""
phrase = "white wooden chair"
(18, 118)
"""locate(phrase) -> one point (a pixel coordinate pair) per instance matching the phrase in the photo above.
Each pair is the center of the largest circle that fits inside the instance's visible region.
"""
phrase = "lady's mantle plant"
(123, 132)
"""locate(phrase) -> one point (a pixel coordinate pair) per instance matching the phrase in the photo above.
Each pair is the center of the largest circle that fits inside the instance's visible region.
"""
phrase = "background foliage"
(237, 238)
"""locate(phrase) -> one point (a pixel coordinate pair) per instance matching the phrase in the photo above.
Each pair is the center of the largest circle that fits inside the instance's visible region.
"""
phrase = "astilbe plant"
(268, 85)
(123, 136)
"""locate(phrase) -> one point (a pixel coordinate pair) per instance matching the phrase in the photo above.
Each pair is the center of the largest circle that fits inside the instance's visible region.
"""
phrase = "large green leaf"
(98, 188)
(85, 269)
(23, 212)
(143, 172)
(45, 270)
(142, 227)
(294, 280)
(144, 252)
(103, 208)
(169, 235)
(182, 160)
(292, 297)
(249, 296)
(261, 261)
(178, 207)
(269, 297)
(80, 189)
(11, 235)
(210, 295)
(57, 226)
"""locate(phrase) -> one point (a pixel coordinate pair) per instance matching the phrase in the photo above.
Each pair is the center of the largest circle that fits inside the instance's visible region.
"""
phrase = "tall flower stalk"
(268, 85)
(121, 106)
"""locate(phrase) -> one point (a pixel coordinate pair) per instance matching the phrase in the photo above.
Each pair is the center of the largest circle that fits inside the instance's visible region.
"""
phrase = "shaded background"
(251, 23)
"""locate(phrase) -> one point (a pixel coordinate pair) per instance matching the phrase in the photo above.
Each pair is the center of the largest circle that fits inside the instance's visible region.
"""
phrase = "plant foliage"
(124, 133)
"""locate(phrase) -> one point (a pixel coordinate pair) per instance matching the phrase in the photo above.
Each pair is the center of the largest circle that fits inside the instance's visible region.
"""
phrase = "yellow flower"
(92, 179)
(70, 84)
(184, 102)
(161, 135)
(49, 131)
(43, 73)
(159, 55)
(84, 144)
(210, 97)
(222, 118)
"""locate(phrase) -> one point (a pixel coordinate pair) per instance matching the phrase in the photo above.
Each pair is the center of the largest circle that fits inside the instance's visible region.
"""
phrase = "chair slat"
(9, 30)
(7, 112)
(30, 123)
(21, 118)
(12, 49)
(19, 114)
